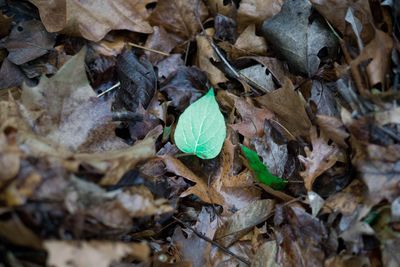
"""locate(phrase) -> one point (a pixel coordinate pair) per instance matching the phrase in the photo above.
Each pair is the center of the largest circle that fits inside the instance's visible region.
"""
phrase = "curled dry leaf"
(93, 20)
(180, 17)
(322, 157)
(242, 221)
(93, 253)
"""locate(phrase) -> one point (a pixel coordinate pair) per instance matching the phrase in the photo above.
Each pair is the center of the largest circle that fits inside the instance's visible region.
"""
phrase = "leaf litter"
(290, 160)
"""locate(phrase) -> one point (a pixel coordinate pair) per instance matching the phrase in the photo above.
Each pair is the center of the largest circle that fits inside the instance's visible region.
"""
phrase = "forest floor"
(199, 133)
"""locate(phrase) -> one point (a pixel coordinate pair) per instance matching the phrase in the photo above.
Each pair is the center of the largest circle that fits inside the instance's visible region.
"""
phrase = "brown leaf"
(17, 233)
(205, 53)
(93, 253)
(200, 189)
(333, 129)
(379, 50)
(248, 43)
(335, 13)
(289, 108)
(162, 41)
(61, 109)
(252, 124)
(266, 255)
(242, 221)
(184, 86)
(115, 163)
(9, 159)
(27, 41)
(5, 24)
(200, 256)
(302, 238)
(256, 11)
(237, 190)
(11, 75)
(179, 16)
(93, 20)
(378, 169)
(321, 158)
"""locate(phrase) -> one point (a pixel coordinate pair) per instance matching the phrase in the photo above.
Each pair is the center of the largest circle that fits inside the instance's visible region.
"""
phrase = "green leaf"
(261, 171)
(201, 128)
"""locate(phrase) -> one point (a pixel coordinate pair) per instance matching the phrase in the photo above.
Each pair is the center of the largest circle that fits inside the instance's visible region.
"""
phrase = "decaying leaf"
(93, 20)
(184, 86)
(138, 82)
(288, 107)
(256, 11)
(205, 53)
(200, 189)
(302, 238)
(242, 221)
(27, 41)
(92, 253)
(179, 16)
(59, 109)
(322, 157)
(298, 40)
(253, 119)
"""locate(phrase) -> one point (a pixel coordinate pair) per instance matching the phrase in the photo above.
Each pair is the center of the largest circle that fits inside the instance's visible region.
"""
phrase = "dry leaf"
(61, 109)
(92, 253)
(28, 41)
(179, 16)
(253, 119)
(161, 41)
(243, 221)
(321, 158)
(256, 11)
(200, 189)
(93, 20)
(248, 43)
(289, 108)
(205, 53)
(379, 51)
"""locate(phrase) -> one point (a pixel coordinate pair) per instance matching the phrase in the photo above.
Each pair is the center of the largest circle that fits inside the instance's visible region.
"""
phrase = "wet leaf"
(261, 171)
(201, 128)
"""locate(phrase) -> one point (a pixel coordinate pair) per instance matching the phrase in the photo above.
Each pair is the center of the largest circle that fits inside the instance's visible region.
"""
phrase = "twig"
(202, 236)
(109, 89)
(149, 49)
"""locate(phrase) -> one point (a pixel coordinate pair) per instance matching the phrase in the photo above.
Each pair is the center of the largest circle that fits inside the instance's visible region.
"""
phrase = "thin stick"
(109, 89)
(149, 49)
(202, 236)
